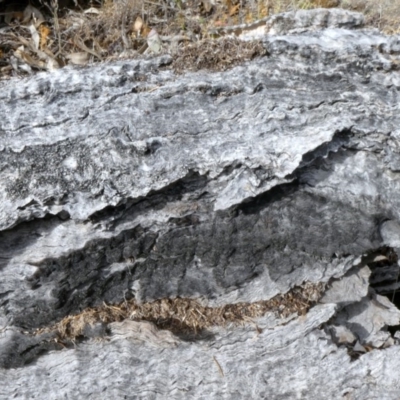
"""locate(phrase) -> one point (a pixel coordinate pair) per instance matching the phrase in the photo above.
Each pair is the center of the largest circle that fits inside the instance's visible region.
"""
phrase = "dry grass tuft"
(218, 55)
(186, 315)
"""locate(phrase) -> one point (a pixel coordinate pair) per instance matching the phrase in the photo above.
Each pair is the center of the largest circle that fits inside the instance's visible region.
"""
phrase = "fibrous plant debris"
(218, 55)
(181, 315)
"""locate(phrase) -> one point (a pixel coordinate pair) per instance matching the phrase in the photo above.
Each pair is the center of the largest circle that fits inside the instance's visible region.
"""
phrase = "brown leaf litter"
(187, 316)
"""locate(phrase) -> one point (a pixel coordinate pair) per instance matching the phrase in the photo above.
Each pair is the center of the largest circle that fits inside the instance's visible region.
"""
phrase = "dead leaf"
(14, 63)
(92, 10)
(78, 58)
(52, 64)
(22, 55)
(35, 36)
(154, 41)
(44, 34)
(234, 10)
(138, 25)
(48, 59)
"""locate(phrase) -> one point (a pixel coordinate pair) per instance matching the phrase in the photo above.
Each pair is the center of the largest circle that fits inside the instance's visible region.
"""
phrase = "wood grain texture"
(125, 180)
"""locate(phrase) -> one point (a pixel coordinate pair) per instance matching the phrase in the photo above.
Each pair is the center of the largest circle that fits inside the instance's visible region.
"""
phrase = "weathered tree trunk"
(125, 182)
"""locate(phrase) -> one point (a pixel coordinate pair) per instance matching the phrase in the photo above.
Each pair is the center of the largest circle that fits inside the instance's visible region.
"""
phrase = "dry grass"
(110, 30)
(187, 315)
(217, 55)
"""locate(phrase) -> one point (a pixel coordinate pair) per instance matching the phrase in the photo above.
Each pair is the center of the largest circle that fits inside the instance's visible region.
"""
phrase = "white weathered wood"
(125, 180)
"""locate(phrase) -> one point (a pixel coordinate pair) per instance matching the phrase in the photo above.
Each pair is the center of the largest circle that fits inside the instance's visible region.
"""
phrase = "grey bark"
(125, 180)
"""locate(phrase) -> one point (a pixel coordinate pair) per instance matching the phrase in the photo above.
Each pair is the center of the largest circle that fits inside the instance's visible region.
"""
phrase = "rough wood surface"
(125, 180)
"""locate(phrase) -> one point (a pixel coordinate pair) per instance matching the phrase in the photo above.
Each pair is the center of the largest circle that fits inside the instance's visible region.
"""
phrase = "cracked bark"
(222, 187)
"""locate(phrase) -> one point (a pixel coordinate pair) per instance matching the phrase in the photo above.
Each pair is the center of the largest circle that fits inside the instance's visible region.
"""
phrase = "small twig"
(54, 5)
(219, 366)
(124, 37)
